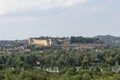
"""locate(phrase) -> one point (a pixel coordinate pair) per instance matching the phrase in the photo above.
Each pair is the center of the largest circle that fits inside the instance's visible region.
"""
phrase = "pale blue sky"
(32, 18)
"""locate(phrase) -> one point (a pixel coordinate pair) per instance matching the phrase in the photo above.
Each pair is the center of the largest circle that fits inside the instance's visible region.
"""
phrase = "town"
(65, 43)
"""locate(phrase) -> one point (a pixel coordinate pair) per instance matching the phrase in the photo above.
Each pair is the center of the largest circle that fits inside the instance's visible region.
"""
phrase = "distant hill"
(10, 43)
(111, 41)
(108, 40)
(107, 37)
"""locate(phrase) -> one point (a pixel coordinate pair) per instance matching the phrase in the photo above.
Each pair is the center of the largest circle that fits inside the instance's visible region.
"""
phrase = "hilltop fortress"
(68, 43)
(40, 42)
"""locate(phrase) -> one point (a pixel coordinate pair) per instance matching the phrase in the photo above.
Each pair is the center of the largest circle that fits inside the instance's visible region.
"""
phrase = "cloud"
(16, 5)
(18, 19)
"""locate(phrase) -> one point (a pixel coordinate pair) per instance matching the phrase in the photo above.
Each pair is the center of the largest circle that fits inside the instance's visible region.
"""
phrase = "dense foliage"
(84, 40)
(72, 64)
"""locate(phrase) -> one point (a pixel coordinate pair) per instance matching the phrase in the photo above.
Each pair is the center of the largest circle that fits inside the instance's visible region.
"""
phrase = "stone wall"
(38, 42)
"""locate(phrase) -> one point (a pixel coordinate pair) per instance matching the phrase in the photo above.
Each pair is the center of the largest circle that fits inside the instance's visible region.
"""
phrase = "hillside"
(110, 40)
(10, 43)
(107, 37)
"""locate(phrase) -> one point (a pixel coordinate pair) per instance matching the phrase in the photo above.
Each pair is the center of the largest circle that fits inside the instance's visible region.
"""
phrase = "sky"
(21, 19)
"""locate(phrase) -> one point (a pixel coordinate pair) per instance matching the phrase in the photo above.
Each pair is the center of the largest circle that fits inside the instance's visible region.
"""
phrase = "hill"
(111, 41)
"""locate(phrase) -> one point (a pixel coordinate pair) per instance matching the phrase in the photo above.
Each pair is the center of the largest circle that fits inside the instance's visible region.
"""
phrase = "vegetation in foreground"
(72, 64)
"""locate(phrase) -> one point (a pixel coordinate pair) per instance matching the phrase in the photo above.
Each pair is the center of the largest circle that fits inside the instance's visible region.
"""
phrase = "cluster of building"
(82, 46)
(65, 44)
